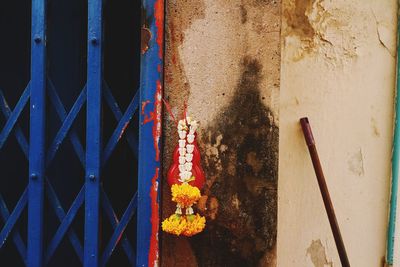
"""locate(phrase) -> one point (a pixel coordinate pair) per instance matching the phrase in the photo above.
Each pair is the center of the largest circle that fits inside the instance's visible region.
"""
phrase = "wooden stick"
(305, 125)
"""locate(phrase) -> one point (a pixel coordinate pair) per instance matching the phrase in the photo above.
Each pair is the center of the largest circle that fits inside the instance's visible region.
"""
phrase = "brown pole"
(305, 125)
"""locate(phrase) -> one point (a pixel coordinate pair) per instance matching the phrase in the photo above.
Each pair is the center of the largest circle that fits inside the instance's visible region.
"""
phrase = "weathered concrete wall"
(224, 58)
(338, 69)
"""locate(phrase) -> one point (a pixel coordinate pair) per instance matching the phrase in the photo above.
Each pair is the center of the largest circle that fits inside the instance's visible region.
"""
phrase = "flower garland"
(184, 183)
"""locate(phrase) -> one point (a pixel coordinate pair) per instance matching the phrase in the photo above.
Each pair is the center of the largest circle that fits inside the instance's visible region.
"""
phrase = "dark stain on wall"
(243, 14)
(242, 180)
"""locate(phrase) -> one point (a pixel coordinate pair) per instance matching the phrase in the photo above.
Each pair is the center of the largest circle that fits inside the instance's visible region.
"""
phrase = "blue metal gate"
(65, 197)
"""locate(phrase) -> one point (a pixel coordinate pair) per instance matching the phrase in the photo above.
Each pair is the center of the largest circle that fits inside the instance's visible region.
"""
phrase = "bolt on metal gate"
(41, 93)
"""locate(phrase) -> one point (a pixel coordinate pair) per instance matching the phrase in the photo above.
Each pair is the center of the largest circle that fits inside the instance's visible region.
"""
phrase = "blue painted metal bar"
(64, 226)
(5, 109)
(14, 115)
(37, 134)
(56, 204)
(93, 133)
(121, 127)
(16, 236)
(106, 202)
(15, 214)
(53, 199)
(151, 70)
(4, 212)
(119, 230)
(112, 103)
(67, 121)
(112, 217)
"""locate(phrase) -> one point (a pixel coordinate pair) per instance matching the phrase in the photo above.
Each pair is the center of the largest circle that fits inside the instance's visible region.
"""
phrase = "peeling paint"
(155, 117)
(385, 36)
(144, 104)
(312, 26)
(317, 253)
(123, 130)
(356, 163)
(145, 40)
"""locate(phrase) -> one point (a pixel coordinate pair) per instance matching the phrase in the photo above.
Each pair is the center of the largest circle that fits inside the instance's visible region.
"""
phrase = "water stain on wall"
(243, 171)
(180, 15)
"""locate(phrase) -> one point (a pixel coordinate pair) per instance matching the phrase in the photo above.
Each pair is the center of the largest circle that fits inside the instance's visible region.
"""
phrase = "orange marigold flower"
(195, 224)
(184, 225)
(174, 224)
(185, 194)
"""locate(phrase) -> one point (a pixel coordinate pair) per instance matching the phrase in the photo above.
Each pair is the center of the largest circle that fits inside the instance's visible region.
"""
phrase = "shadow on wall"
(240, 157)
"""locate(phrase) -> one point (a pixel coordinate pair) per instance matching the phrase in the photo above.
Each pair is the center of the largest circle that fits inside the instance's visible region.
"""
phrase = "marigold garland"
(184, 194)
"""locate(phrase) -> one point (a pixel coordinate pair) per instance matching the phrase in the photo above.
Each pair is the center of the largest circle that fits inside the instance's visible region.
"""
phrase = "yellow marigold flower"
(195, 224)
(185, 194)
(184, 225)
(174, 224)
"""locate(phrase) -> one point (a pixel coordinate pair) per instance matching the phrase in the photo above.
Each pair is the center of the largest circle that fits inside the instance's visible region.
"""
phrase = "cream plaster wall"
(338, 69)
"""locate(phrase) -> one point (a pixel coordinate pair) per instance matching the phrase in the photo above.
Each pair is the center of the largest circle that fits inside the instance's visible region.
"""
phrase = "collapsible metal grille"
(58, 140)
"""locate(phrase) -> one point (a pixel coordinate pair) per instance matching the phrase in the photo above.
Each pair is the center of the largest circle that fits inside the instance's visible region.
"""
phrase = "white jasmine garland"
(186, 147)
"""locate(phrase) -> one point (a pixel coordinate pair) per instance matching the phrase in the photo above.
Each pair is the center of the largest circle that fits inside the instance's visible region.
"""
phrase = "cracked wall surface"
(338, 68)
(249, 69)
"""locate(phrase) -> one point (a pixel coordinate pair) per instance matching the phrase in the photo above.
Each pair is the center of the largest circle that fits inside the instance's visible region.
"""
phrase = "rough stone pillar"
(223, 58)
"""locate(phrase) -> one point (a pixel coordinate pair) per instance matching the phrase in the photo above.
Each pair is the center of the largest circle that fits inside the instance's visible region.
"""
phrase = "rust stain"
(145, 40)
(153, 253)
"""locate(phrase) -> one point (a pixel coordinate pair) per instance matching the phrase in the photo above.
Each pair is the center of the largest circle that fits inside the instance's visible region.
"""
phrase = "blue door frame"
(147, 102)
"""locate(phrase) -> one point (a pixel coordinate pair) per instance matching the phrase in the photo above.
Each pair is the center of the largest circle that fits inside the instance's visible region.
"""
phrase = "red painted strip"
(159, 16)
(153, 253)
